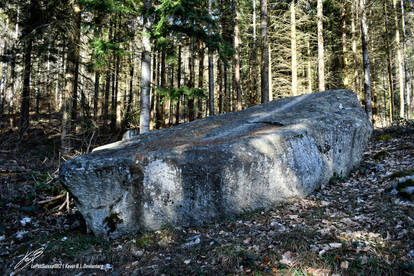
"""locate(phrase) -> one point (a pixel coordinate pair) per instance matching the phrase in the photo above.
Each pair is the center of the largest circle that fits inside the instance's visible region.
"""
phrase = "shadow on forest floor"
(350, 227)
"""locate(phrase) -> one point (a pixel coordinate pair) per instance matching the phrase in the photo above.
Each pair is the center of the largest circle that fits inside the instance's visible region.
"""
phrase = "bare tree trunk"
(160, 107)
(406, 73)
(127, 113)
(400, 60)
(25, 101)
(70, 76)
(265, 52)
(144, 118)
(177, 114)
(191, 109)
(236, 57)
(345, 78)
(309, 67)
(153, 100)
(38, 83)
(253, 80)
(389, 64)
(321, 62)
(210, 71)
(96, 96)
(270, 73)
(117, 98)
(227, 104)
(200, 79)
(354, 46)
(106, 98)
(367, 74)
(13, 68)
(220, 86)
(293, 48)
(171, 108)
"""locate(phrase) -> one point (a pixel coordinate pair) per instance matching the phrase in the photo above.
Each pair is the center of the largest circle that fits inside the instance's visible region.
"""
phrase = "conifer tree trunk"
(77, 37)
(265, 52)
(345, 78)
(210, 72)
(400, 60)
(293, 48)
(106, 97)
(389, 65)
(406, 73)
(236, 57)
(145, 74)
(321, 62)
(177, 114)
(13, 67)
(227, 104)
(253, 62)
(191, 109)
(354, 45)
(117, 97)
(160, 107)
(70, 86)
(200, 79)
(127, 113)
(309, 66)
(171, 108)
(153, 99)
(96, 96)
(365, 53)
(25, 101)
(75, 92)
(220, 86)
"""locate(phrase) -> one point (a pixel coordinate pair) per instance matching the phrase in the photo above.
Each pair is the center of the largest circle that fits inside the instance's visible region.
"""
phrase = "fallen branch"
(51, 199)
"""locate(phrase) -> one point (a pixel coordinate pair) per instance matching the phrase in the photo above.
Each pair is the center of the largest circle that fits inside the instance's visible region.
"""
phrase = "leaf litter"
(352, 226)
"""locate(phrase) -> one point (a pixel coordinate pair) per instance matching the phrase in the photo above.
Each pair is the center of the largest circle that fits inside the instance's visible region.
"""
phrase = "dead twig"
(90, 141)
(51, 199)
(66, 203)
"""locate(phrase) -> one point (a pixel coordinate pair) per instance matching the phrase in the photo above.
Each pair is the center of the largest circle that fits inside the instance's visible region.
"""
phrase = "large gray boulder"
(219, 166)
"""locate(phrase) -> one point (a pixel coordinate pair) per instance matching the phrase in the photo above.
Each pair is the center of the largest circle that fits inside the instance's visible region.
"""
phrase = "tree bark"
(400, 60)
(117, 98)
(127, 114)
(191, 100)
(309, 66)
(177, 114)
(365, 55)
(321, 61)
(265, 52)
(389, 65)
(200, 79)
(406, 73)
(236, 57)
(253, 63)
(220, 86)
(96, 96)
(354, 45)
(25, 101)
(345, 78)
(160, 107)
(210, 72)
(72, 61)
(145, 74)
(293, 48)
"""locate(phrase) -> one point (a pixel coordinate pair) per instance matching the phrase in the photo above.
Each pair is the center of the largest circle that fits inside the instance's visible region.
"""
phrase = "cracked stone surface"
(220, 166)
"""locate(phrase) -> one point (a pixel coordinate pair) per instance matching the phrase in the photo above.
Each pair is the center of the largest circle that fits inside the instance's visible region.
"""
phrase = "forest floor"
(350, 227)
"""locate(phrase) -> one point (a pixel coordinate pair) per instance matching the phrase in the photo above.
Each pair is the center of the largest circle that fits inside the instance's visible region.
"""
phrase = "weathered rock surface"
(219, 166)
